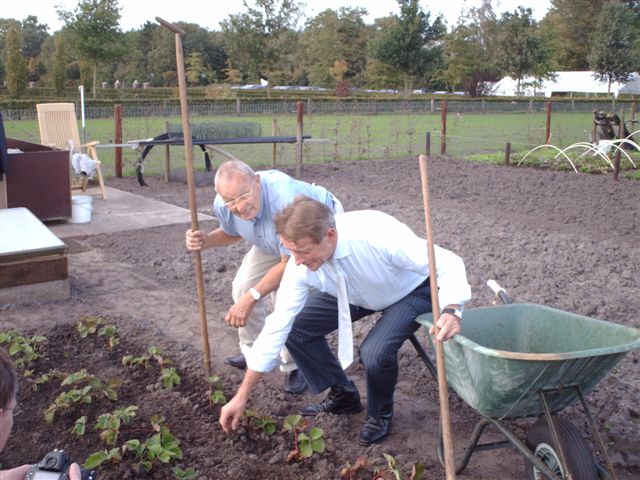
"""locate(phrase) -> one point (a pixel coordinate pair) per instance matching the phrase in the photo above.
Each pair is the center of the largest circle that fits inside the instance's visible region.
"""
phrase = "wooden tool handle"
(440, 365)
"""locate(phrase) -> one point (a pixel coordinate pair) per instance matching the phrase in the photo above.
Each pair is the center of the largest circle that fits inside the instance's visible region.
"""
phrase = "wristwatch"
(453, 311)
(255, 294)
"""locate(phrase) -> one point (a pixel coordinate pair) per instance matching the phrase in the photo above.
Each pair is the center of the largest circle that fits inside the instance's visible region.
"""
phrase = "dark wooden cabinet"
(38, 179)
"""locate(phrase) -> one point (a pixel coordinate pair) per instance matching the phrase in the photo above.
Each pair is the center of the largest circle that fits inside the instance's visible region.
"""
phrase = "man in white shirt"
(386, 269)
(246, 205)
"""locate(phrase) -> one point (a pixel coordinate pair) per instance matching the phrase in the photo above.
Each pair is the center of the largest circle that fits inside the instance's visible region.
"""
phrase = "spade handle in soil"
(440, 366)
(188, 155)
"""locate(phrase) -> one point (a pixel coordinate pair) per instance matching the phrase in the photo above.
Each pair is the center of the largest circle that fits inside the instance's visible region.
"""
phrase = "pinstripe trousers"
(378, 352)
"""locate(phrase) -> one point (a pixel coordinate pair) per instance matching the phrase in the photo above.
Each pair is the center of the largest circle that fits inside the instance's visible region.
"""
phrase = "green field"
(475, 136)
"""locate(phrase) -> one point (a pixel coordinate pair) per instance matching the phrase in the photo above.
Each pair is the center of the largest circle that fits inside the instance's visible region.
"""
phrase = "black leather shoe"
(374, 430)
(237, 361)
(340, 400)
(294, 382)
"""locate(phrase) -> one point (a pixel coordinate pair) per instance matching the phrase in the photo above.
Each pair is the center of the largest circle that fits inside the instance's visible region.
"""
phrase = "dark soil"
(555, 238)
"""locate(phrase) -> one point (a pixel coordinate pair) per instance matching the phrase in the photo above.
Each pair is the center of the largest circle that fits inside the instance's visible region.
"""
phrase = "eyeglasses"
(234, 203)
(16, 410)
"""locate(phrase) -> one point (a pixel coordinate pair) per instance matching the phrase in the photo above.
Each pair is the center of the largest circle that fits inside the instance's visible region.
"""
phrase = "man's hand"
(195, 240)
(238, 314)
(448, 324)
(232, 412)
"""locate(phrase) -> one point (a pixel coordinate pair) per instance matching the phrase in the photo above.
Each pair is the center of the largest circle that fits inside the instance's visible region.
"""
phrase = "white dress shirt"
(383, 261)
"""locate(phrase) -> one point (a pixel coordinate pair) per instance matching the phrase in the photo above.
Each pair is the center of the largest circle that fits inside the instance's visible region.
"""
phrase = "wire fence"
(344, 131)
(284, 107)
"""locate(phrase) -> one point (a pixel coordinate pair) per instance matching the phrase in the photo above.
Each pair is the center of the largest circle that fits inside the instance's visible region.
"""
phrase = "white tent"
(564, 83)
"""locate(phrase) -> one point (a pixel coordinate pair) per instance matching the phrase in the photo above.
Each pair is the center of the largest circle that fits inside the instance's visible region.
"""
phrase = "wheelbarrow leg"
(610, 472)
(422, 353)
(511, 441)
(552, 428)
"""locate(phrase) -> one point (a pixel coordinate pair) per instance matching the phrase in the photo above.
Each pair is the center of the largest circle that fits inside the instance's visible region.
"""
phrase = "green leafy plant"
(216, 397)
(46, 378)
(89, 326)
(261, 422)
(417, 470)
(80, 426)
(186, 474)
(305, 444)
(161, 447)
(168, 375)
(363, 469)
(23, 350)
(153, 353)
(111, 332)
(86, 385)
(110, 423)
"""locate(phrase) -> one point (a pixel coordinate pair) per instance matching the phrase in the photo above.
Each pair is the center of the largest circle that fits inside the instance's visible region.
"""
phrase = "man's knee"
(376, 357)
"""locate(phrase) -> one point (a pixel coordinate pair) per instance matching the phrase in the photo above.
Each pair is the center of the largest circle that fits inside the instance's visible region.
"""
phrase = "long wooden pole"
(188, 155)
(435, 304)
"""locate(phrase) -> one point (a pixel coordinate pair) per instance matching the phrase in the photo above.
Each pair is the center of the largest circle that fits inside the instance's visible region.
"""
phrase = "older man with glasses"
(246, 205)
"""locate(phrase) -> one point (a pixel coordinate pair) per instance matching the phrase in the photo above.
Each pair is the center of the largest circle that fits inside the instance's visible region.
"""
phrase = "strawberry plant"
(79, 426)
(110, 423)
(89, 326)
(168, 375)
(86, 386)
(23, 350)
(362, 470)
(305, 444)
(152, 353)
(261, 422)
(161, 447)
(216, 397)
(186, 474)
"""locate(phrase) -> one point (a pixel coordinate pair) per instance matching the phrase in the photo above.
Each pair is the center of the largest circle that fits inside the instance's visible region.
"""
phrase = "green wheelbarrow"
(522, 360)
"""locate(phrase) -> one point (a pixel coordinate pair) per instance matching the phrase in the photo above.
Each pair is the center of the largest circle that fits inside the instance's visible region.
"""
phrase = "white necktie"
(345, 333)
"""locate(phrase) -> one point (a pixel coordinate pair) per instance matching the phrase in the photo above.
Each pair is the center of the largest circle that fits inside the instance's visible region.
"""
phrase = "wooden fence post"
(547, 137)
(167, 156)
(507, 154)
(616, 159)
(274, 132)
(117, 116)
(300, 122)
(428, 144)
(443, 121)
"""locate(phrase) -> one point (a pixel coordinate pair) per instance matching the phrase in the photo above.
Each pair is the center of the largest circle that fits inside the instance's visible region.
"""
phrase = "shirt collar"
(263, 203)
(342, 249)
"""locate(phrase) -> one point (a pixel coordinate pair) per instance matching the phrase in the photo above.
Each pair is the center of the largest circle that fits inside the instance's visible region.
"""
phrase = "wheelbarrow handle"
(500, 292)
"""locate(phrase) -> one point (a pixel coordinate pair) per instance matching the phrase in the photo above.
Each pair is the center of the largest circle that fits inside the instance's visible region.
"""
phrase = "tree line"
(336, 49)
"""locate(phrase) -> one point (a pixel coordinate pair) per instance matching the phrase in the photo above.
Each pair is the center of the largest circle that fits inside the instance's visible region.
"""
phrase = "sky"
(208, 15)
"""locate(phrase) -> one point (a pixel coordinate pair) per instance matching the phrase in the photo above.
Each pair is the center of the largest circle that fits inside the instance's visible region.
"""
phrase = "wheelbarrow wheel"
(576, 451)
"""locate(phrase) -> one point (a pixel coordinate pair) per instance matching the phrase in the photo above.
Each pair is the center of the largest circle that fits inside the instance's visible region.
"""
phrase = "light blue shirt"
(277, 190)
(383, 261)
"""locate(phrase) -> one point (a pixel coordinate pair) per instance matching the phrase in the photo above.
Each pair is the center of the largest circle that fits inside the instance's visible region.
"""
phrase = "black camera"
(55, 466)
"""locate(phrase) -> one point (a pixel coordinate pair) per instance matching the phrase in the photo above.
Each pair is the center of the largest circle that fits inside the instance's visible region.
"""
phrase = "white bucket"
(81, 209)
